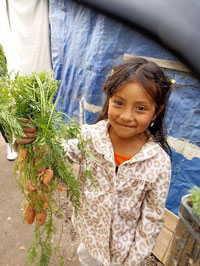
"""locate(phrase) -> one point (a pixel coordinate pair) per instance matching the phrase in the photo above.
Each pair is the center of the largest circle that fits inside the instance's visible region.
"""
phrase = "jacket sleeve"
(73, 153)
(151, 219)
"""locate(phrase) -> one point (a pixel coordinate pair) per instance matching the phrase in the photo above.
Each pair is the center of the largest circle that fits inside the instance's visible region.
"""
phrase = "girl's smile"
(130, 112)
(127, 126)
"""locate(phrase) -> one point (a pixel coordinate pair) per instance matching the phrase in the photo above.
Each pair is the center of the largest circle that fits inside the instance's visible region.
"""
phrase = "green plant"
(195, 197)
(41, 169)
(3, 63)
(7, 119)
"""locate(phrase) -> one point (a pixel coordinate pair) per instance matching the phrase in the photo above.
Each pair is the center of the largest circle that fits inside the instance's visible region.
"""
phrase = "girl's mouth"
(124, 125)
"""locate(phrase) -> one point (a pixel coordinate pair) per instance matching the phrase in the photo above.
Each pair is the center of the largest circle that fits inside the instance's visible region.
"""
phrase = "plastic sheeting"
(85, 45)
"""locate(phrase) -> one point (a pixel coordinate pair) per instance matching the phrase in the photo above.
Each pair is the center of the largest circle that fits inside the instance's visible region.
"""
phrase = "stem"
(66, 116)
(52, 111)
(43, 104)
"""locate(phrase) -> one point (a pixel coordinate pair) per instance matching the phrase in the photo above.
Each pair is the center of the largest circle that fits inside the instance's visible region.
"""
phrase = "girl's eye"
(141, 108)
(118, 103)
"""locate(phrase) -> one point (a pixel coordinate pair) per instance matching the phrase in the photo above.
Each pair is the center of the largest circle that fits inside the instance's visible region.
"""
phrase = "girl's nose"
(127, 115)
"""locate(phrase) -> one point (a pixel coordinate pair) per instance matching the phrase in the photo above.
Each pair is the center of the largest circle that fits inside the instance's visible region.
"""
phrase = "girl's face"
(130, 111)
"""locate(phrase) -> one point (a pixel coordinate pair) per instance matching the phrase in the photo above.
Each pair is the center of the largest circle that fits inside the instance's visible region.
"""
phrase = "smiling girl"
(121, 215)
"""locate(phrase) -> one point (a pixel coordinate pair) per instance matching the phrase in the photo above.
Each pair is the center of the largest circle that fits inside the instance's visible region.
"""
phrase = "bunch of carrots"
(36, 193)
(39, 191)
(41, 169)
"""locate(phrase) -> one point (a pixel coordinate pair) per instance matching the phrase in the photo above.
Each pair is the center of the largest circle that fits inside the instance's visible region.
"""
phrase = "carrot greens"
(41, 169)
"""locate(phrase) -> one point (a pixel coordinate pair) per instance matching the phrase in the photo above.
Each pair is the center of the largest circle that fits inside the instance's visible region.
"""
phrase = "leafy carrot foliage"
(41, 166)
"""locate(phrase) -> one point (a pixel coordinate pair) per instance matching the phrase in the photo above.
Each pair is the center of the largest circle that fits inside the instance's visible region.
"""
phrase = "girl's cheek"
(146, 123)
(110, 116)
(111, 113)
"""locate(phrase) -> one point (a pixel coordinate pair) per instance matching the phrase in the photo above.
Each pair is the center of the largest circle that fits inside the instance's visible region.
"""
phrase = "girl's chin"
(124, 133)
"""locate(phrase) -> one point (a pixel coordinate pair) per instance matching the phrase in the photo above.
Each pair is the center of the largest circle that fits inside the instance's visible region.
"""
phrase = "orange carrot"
(29, 186)
(45, 205)
(61, 188)
(39, 169)
(44, 149)
(44, 197)
(20, 165)
(29, 214)
(48, 174)
(23, 154)
(41, 217)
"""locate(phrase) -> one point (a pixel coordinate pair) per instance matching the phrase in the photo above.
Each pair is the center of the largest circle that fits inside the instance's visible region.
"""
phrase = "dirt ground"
(16, 236)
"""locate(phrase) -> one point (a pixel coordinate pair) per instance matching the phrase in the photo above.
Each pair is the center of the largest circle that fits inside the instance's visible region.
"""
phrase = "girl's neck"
(127, 146)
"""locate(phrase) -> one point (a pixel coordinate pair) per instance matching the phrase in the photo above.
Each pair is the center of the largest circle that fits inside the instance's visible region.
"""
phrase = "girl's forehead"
(134, 90)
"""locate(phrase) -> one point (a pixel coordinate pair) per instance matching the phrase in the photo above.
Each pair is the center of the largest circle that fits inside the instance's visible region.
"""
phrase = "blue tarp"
(85, 45)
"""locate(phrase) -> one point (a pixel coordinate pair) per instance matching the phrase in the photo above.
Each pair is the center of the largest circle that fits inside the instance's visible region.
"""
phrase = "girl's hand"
(30, 133)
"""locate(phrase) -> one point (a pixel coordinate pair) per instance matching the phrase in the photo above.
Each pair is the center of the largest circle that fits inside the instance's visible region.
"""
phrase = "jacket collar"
(102, 144)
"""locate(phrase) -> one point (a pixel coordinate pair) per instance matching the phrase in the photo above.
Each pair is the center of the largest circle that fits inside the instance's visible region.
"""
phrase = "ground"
(16, 236)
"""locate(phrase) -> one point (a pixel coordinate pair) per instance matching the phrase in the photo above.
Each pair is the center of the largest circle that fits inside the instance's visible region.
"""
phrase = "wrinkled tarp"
(85, 45)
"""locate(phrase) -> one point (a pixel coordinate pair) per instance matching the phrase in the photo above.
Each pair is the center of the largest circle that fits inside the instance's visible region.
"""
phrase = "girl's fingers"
(29, 132)
(26, 121)
(23, 141)
(30, 135)
(30, 129)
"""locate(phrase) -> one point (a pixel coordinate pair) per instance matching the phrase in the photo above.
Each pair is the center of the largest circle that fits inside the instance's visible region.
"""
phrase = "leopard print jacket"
(120, 215)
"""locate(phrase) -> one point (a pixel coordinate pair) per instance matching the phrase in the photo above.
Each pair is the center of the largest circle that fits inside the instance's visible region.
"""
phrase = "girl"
(120, 216)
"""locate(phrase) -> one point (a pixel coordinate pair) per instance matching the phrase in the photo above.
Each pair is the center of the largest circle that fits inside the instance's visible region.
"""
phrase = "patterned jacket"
(120, 215)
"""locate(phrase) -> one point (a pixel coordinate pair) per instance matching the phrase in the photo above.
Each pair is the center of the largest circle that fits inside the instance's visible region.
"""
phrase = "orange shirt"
(119, 158)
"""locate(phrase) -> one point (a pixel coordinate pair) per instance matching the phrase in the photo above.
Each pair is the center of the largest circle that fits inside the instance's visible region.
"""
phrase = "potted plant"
(190, 206)
(195, 198)
(186, 243)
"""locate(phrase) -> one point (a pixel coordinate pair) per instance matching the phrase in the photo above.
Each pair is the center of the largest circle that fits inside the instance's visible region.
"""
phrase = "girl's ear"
(160, 109)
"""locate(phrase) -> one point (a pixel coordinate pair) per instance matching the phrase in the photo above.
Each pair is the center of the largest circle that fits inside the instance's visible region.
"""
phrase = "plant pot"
(190, 252)
(185, 247)
(189, 218)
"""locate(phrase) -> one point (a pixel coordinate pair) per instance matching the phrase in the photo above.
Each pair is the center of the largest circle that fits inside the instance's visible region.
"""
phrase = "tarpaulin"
(85, 45)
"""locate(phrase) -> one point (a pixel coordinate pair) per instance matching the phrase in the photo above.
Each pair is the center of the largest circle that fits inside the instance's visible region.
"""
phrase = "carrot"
(23, 154)
(39, 169)
(29, 186)
(29, 214)
(61, 188)
(48, 174)
(45, 205)
(41, 217)
(44, 149)
(44, 197)
(41, 152)
(20, 165)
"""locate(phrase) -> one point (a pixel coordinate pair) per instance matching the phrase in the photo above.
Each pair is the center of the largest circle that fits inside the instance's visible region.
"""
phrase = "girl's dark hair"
(155, 83)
